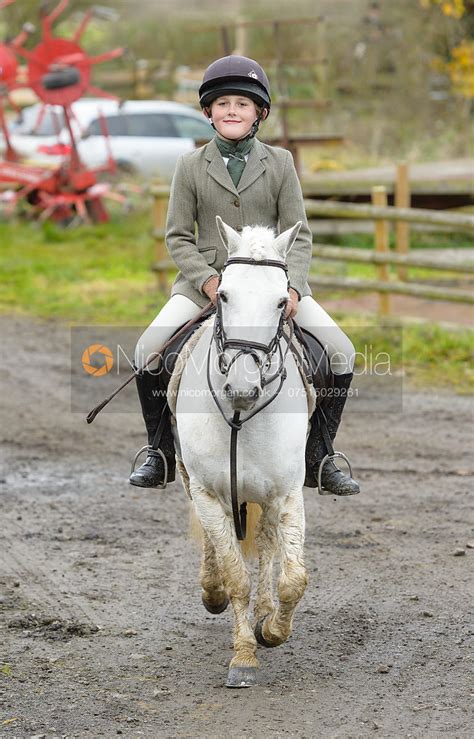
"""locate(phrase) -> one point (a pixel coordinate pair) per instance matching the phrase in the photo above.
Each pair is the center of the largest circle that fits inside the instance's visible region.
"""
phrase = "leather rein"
(222, 343)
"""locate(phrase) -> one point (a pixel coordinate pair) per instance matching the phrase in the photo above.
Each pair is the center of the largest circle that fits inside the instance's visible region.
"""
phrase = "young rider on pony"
(245, 182)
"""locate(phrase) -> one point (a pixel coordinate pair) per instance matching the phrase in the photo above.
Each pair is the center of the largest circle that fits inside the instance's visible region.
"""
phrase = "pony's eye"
(222, 296)
(282, 303)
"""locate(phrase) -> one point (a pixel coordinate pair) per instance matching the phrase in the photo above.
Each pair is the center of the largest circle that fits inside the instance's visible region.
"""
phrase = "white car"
(145, 137)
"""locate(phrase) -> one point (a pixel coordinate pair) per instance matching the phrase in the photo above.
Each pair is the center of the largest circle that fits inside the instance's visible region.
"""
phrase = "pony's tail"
(248, 546)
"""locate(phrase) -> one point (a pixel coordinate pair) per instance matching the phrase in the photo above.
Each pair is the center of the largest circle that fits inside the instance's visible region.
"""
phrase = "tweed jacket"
(268, 194)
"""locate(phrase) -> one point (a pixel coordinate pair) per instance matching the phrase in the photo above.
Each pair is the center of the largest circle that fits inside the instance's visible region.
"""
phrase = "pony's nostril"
(227, 390)
(253, 394)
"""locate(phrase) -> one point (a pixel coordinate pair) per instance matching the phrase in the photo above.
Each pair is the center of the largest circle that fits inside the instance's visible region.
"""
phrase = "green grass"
(91, 274)
(426, 354)
(101, 274)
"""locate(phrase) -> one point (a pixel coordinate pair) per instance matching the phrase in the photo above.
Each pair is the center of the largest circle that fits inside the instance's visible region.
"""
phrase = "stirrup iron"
(155, 452)
(325, 460)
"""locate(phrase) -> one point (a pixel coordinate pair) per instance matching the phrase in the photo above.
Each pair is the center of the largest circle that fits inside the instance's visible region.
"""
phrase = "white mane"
(257, 243)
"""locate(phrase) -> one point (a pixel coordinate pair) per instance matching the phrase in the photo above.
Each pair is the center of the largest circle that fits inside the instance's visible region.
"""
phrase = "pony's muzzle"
(242, 400)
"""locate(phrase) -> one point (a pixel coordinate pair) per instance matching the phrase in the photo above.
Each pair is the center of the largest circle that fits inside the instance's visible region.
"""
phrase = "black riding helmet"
(232, 75)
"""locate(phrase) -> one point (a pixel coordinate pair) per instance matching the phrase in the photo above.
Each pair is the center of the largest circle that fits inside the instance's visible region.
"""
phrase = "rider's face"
(233, 116)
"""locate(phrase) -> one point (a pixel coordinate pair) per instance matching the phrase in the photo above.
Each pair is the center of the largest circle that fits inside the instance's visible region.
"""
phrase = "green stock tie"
(236, 154)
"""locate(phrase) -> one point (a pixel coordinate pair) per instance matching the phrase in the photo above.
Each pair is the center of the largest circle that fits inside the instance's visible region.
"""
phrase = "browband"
(256, 262)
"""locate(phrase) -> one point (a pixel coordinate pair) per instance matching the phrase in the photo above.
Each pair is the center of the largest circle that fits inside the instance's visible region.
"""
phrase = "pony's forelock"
(257, 242)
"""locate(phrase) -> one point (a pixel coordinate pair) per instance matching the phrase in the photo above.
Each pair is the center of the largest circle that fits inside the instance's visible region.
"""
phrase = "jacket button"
(237, 203)
(238, 228)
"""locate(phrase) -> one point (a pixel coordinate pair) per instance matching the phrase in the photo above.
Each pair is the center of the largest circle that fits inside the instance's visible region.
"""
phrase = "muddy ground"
(102, 629)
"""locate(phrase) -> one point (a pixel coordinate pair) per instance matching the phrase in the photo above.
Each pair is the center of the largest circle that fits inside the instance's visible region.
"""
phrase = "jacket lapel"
(254, 167)
(217, 169)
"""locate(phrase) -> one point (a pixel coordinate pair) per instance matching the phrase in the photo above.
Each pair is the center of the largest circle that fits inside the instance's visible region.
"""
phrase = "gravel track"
(101, 625)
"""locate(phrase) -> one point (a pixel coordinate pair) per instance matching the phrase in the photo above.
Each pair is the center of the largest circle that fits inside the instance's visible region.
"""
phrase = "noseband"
(251, 348)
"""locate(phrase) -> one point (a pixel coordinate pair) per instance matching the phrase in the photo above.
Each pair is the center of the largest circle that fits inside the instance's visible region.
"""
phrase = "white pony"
(237, 367)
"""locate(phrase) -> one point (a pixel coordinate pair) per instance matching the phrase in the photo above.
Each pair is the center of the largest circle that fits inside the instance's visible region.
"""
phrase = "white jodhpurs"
(176, 312)
(339, 347)
(179, 310)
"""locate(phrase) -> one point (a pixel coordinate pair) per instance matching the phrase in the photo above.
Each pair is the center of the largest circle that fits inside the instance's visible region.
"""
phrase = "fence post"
(402, 229)
(240, 38)
(161, 195)
(281, 84)
(141, 84)
(225, 38)
(379, 197)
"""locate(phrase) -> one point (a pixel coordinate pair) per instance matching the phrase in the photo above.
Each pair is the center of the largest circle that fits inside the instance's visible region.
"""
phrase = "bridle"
(223, 343)
(243, 346)
(247, 347)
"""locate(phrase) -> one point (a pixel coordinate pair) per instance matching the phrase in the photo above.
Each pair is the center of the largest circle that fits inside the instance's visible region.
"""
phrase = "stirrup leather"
(152, 453)
(325, 460)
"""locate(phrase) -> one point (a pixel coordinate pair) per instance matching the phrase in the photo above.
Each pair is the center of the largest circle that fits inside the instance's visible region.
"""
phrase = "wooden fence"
(381, 256)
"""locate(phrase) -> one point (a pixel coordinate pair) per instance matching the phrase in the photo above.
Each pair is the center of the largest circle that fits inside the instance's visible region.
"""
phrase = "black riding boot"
(154, 407)
(333, 480)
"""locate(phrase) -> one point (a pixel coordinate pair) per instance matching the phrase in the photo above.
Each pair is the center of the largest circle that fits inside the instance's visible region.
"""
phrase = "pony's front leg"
(266, 540)
(236, 580)
(276, 628)
(214, 595)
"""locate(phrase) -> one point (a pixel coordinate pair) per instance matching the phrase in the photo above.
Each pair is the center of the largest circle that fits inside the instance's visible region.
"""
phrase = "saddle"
(315, 366)
(173, 351)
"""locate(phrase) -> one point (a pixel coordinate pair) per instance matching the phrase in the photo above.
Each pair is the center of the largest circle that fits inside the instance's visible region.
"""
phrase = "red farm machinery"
(59, 72)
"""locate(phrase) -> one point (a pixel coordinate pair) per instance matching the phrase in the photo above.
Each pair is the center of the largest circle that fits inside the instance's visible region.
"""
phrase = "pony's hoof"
(258, 631)
(215, 608)
(241, 677)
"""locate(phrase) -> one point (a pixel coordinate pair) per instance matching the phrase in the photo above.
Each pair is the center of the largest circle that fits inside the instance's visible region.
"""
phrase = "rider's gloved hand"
(210, 288)
(292, 305)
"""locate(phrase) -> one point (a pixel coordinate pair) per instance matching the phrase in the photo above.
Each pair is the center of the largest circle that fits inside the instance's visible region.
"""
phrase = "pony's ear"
(285, 241)
(230, 238)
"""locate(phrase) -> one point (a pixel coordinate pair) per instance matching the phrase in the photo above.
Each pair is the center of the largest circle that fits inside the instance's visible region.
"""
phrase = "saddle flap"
(172, 352)
(182, 354)
(318, 360)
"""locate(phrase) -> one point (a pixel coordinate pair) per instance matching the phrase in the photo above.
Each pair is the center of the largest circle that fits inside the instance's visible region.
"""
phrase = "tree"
(459, 64)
